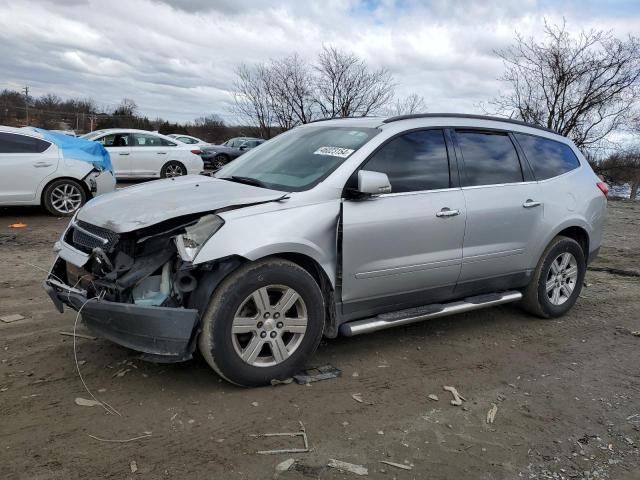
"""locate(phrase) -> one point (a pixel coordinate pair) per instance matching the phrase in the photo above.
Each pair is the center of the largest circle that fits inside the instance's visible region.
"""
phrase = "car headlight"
(195, 236)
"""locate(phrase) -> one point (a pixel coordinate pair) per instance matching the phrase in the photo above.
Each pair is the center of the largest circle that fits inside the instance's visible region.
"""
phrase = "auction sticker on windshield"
(334, 151)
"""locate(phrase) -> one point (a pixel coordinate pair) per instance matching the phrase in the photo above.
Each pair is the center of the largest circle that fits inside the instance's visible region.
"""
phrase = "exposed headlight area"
(195, 236)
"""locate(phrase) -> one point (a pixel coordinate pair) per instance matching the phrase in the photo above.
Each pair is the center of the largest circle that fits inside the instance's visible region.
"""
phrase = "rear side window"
(548, 158)
(413, 162)
(13, 143)
(489, 159)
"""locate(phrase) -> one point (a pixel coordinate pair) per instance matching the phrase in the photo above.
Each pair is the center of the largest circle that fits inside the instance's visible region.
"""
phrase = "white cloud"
(176, 58)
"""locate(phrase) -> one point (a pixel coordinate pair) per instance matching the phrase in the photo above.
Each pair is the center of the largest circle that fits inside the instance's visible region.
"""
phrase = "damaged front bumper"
(164, 334)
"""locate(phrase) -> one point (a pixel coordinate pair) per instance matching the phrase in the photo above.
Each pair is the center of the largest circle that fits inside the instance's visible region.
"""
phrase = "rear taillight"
(196, 152)
(604, 188)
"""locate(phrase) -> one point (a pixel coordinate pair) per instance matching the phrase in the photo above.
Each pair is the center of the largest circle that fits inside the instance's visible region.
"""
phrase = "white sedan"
(34, 170)
(189, 140)
(143, 154)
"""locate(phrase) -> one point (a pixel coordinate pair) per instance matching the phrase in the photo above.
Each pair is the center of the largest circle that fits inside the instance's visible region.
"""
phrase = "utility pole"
(26, 101)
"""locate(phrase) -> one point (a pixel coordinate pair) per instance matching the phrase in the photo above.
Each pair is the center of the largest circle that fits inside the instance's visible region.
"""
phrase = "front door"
(504, 210)
(404, 248)
(26, 162)
(118, 146)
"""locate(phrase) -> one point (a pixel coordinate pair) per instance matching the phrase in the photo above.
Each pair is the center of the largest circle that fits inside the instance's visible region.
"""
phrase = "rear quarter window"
(14, 143)
(547, 158)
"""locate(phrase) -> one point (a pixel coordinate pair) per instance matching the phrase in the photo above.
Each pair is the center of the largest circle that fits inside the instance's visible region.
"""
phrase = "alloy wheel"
(562, 278)
(66, 198)
(269, 326)
(174, 171)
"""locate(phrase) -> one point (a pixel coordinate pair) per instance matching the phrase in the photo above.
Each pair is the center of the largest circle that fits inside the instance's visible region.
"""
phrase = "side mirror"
(373, 183)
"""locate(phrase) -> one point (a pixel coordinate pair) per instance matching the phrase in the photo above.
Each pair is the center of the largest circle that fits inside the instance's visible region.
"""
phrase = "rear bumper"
(168, 334)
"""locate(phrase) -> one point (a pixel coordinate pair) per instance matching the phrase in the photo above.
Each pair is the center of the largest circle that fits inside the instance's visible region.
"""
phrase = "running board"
(413, 315)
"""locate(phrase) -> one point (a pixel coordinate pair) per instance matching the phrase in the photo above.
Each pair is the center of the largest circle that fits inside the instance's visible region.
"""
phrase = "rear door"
(25, 162)
(149, 153)
(504, 210)
(404, 248)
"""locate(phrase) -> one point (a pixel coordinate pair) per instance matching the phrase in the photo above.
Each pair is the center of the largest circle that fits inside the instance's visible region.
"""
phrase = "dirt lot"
(567, 390)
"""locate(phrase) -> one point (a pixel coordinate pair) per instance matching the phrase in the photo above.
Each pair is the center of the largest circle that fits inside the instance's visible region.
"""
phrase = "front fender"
(275, 228)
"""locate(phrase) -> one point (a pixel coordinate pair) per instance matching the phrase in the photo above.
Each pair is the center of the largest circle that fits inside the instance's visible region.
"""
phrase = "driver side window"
(414, 162)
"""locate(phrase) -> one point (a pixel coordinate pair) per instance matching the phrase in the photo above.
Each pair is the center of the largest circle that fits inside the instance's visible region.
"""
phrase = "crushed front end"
(138, 289)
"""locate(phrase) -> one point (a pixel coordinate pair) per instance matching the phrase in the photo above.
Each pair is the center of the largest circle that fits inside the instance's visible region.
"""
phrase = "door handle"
(42, 164)
(161, 153)
(530, 203)
(447, 212)
(123, 153)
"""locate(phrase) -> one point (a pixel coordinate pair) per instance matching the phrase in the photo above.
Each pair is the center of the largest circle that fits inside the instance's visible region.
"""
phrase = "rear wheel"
(63, 197)
(172, 169)
(220, 161)
(262, 323)
(557, 280)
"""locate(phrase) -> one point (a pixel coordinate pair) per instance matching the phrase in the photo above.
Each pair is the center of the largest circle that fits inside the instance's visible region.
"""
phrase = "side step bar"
(413, 315)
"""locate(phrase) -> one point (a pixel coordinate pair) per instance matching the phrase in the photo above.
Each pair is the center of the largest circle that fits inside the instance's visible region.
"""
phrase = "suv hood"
(150, 203)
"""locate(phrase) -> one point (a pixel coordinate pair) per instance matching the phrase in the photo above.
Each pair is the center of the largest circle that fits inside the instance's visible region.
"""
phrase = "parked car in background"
(189, 140)
(341, 226)
(217, 156)
(143, 154)
(56, 171)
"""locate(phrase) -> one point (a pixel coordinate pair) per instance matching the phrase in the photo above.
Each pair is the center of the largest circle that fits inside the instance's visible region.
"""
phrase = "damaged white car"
(346, 226)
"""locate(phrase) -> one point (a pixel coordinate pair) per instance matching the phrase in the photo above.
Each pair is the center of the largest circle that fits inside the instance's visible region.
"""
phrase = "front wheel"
(64, 197)
(262, 323)
(557, 280)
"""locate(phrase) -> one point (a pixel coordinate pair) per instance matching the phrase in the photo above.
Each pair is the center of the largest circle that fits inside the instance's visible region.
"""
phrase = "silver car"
(336, 227)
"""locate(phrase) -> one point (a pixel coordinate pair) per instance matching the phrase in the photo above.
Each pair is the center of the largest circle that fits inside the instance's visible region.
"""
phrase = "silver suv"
(342, 226)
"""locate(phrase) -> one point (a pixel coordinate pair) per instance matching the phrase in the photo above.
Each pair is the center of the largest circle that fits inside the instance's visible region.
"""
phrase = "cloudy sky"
(176, 58)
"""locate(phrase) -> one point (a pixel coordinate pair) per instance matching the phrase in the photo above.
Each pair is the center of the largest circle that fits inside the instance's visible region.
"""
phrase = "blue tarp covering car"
(79, 149)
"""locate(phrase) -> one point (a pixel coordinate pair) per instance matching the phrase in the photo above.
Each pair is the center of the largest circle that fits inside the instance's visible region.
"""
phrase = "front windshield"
(300, 158)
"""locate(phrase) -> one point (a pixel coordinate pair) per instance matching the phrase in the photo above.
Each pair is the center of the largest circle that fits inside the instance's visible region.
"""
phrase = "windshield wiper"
(245, 180)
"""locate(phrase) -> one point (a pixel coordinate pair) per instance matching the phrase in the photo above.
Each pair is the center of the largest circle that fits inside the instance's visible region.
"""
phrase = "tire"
(557, 301)
(223, 347)
(173, 169)
(219, 161)
(64, 197)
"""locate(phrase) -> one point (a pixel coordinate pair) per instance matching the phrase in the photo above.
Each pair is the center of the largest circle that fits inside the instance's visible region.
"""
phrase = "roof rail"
(343, 118)
(466, 115)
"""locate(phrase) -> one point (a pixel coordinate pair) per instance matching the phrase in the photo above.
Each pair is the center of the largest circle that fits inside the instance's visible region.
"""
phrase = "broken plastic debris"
(84, 402)
(284, 466)
(325, 372)
(457, 398)
(18, 225)
(14, 317)
(348, 467)
(397, 465)
(357, 397)
(434, 397)
(286, 381)
(491, 414)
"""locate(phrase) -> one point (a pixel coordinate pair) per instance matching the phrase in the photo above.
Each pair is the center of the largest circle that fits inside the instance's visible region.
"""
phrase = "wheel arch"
(578, 234)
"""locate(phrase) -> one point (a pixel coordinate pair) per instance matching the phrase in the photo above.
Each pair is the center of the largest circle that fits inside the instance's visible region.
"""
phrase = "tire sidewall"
(563, 245)
(226, 301)
(48, 204)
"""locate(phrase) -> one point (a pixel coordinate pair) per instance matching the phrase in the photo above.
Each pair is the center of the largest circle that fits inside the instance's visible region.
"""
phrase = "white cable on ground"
(104, 405)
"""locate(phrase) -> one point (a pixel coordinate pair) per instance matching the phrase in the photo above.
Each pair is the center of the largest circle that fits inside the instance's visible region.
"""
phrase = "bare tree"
(289, 84)
(126, 108)
(408, 105)
(251, 98)
(347, 87)
(582, 86)
(623, 168)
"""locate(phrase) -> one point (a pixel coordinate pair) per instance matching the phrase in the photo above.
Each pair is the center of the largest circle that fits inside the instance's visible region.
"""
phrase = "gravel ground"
(566, 390)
